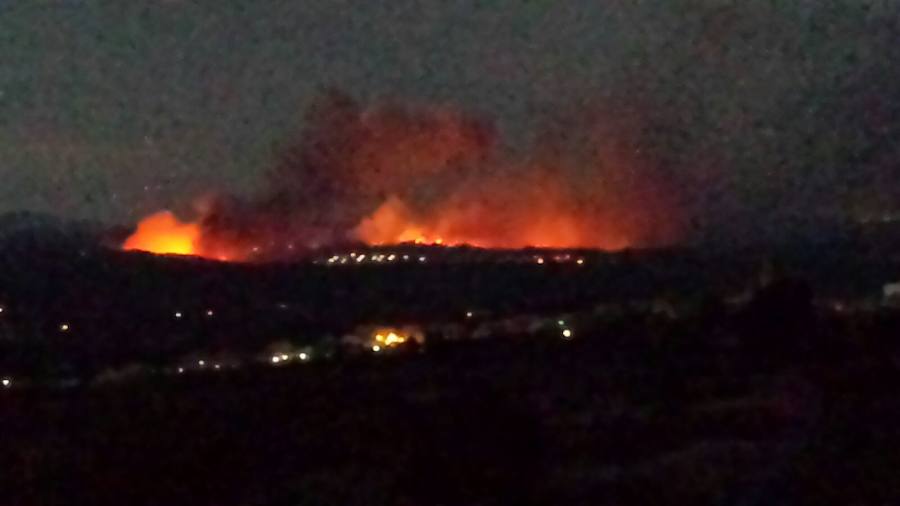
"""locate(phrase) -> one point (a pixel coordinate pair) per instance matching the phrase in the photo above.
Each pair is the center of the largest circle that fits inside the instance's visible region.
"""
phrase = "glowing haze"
(388, 174)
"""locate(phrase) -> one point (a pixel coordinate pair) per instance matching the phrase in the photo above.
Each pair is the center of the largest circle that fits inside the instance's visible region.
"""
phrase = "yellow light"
(580, 261)
(567, 333)
(392, 339)
(303, 356)
(276, 359)
(64, 327)
(284, 356)
(376, 348)
(379, 338)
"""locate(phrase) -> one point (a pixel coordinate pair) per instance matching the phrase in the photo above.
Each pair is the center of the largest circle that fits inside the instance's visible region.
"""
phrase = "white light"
(422, 259)
(201, 363)
(360, 258)
(178, 314)
(284, 356)
(376, 348)
(567, 333)
(256, 249)
(217, 367)
(6, 382)
(560, 322)
(1, 309)
(469, 314)
(390, 259)
(303, 356)
(540, 260)
(209, 312)
(64, 327)
(580, 261)
(181, 370)
(406, 257)
(353, 254)
(276, 359)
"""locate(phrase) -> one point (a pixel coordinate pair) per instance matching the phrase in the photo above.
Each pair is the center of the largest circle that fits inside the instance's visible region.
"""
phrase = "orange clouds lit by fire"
(390, 174)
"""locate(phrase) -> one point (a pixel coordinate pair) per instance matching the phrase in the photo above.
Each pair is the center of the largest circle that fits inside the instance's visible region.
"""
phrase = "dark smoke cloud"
(381, 172)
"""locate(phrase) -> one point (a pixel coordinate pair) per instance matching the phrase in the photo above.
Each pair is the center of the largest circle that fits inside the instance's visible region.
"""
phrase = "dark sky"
(762, 109)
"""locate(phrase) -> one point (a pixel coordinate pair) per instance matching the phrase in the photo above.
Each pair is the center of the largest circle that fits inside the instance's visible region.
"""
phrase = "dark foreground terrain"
(501, 422)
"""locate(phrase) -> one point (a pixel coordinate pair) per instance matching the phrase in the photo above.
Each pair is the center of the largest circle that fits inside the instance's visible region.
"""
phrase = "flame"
(392, 174)
(532, 211)
(164, 233)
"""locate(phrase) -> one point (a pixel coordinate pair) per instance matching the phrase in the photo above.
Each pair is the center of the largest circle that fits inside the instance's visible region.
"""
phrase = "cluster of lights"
(376, 257)
(280, 358)
(204, 364)
(565, 331)
(385, 340)
(563, 258)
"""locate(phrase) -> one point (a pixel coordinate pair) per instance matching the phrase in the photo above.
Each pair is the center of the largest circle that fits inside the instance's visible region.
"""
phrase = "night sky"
(759, 111)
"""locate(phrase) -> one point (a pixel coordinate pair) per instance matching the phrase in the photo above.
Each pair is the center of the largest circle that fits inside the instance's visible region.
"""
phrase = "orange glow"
(534, 211)
(393, 174)
(384, 338)
(164, 233)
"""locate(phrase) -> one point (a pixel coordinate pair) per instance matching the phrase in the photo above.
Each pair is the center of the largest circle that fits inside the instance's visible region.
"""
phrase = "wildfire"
(164, 233)
(393, 174)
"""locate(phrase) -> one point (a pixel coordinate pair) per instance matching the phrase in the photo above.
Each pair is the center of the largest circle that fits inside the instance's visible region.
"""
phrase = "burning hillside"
(391, 174)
